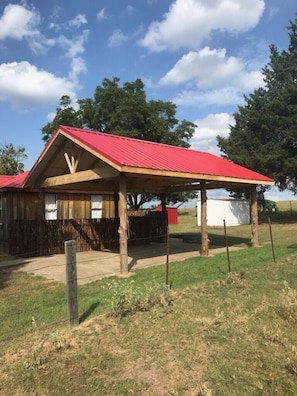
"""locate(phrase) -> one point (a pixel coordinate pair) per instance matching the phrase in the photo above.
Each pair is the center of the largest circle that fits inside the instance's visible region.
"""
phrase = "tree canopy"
(264, 136)
(124, 110)
(11, 159)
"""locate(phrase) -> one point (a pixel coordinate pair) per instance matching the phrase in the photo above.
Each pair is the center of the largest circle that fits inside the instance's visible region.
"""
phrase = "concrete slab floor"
(93, 265)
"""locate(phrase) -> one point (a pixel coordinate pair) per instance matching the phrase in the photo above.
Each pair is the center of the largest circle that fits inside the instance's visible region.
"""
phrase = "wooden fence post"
(271, 239)
(227, 246)
(254, 218)
(167, 258)
(204, 234)
(71, 279)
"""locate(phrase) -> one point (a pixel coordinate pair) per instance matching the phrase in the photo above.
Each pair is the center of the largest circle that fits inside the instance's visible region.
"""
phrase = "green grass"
(282, 223)
(46, 302)
(223, 334)
(234, 335)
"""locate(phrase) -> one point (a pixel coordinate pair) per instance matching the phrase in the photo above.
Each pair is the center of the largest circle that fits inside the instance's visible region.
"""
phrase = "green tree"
(65, 115)
(264, 137)
(124, 110)
(11, 159)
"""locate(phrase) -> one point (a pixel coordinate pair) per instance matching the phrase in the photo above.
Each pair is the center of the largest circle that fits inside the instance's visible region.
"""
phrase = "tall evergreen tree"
(264, 137)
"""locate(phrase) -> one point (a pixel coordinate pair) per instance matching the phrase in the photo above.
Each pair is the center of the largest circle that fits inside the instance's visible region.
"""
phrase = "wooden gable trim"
(94, 152)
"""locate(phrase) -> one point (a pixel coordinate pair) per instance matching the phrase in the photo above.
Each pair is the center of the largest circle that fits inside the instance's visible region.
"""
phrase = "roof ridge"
(149, 142)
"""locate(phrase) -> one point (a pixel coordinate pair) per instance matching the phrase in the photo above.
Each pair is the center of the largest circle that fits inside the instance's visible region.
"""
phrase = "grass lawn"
(212, 333)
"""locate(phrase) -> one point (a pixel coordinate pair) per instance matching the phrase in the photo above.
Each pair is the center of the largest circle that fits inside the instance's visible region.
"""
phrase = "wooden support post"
(71, 279)
(204, 235)
(254, 217)
(123, 228)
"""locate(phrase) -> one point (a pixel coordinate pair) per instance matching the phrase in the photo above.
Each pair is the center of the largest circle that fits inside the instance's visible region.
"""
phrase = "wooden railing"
(32, 238)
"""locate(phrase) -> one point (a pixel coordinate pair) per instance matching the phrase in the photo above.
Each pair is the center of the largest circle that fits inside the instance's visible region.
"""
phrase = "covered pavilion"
(88, 160)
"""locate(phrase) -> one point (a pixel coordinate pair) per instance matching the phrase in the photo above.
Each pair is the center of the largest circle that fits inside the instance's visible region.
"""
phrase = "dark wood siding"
(43, 237)
(28, 205)
(78, 206)
(18, 205)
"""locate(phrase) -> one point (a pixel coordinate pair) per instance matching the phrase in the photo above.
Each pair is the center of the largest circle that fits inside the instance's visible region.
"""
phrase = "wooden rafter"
(78, 177)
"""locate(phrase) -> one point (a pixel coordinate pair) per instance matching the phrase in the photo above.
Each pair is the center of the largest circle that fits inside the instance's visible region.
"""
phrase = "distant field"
(282, 223)
(284, 206)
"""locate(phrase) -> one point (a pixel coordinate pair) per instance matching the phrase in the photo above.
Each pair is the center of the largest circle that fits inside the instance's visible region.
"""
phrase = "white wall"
(233, 211)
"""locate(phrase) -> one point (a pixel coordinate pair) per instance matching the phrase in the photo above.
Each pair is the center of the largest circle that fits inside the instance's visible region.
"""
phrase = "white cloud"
(78, 66)
(218, 80)
(54, 25)
(79, 20)
(204, 138)
(117, 38)
(74, 46)
(212, 69)
(56, 12)
(224, 96)
(130, 10)
(101, 14)
(23, 85)
(18, 22)
(50, 116)
(148, 82)
(273, 11)
(188, 22)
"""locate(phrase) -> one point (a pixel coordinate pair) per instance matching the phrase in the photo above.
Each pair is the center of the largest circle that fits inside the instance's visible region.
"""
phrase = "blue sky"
(202, 55)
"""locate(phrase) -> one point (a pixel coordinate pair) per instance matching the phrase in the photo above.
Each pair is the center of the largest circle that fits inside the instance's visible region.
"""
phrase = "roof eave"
(194, 176)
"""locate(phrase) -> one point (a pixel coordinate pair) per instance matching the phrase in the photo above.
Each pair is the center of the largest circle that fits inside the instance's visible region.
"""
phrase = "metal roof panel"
(13, 181)
(135, 153)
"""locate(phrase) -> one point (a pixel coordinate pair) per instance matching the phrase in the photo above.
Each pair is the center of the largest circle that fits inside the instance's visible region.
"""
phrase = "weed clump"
(127, 298)
(204, 391)
(288, 308)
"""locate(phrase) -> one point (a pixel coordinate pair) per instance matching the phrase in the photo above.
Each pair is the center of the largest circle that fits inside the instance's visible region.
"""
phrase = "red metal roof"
(124, 151)
(13, 181)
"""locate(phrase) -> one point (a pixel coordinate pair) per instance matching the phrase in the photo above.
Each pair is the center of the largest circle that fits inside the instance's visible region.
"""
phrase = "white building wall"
(233, 211)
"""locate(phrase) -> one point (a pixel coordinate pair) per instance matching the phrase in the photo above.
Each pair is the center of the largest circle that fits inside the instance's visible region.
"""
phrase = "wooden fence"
(32, 238)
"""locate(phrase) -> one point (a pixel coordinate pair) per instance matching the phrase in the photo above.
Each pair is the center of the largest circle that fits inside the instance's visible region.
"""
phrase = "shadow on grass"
(282, 217)
(293, 246)
(215, 239)
(4, 278)
(88, 312)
